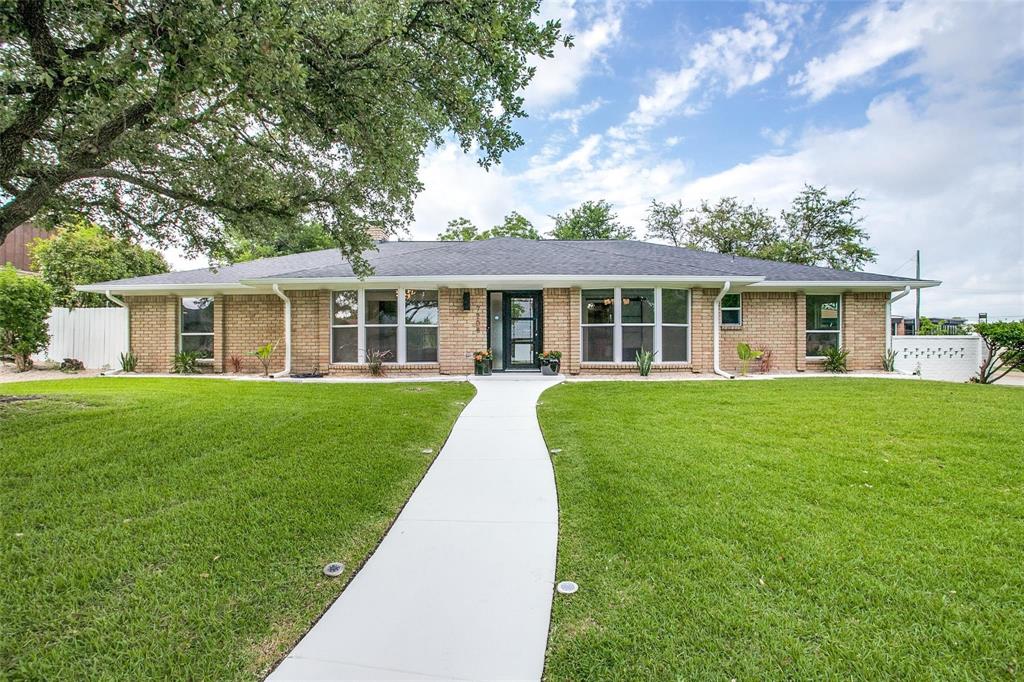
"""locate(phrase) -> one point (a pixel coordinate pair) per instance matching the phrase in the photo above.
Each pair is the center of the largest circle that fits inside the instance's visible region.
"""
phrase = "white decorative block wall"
(950, 358)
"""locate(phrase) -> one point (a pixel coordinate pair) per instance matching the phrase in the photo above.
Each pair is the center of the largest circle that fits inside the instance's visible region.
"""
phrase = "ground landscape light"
(334, 569)
(567, 587)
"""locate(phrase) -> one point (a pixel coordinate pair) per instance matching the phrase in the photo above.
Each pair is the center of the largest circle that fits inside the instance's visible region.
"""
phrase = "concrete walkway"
(461, 586)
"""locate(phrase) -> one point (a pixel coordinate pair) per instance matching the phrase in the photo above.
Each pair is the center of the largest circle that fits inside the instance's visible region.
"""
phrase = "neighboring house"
(14, 249)
(907, 326)
(430, 305)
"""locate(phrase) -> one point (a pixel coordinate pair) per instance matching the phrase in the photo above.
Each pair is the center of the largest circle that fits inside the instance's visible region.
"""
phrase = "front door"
(515, 332)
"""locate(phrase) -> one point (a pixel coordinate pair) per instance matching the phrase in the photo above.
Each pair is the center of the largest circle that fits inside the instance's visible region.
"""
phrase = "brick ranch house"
(430, 305)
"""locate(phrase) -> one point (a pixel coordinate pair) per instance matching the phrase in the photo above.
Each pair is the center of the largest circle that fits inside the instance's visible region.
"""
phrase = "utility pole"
(917, 312)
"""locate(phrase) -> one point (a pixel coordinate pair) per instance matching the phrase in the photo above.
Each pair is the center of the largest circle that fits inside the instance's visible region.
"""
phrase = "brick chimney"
(377, 234)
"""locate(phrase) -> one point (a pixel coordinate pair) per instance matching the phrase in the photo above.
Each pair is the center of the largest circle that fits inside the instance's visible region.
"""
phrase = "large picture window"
(824, 323)
(617, 323)
(401, 324)
(197, 326)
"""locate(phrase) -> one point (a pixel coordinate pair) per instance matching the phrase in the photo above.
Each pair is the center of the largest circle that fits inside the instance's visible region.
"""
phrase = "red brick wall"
(460, 332)
(767, 321)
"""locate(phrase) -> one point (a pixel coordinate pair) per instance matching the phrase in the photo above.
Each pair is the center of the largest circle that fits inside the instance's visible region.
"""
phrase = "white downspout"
(287, 334)
(715, 326)
(888, 315)
(127, 328)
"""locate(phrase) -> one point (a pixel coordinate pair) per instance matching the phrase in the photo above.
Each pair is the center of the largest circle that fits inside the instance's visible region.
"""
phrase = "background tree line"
(815, 230)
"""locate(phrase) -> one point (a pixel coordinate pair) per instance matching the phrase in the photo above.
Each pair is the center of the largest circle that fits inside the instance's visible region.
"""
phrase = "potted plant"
(482, 362)
(550, 361)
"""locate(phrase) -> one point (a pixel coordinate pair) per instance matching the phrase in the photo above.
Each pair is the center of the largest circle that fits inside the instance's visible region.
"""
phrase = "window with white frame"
(732, 309)
(345, 326)
(617, 323)
(399, 324)
(197, 326)
(824, 323)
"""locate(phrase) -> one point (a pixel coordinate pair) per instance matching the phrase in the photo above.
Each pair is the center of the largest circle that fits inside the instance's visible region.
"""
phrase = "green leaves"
(590, 220)
(265, 113)
(24, 307)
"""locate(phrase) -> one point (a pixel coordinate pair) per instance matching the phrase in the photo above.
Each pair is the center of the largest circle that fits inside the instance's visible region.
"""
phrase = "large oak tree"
(179, 119)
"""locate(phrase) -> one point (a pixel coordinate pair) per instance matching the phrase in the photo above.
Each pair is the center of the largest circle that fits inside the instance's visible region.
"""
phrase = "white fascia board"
(858, 285)
(162, 289)
(506, 281)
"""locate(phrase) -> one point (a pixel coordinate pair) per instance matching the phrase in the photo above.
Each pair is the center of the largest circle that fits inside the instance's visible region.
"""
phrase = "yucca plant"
(835, 360)
(889, 360)
(129, 361)
(264, 353)
(186, 362)
(375, 361)
(644, 360)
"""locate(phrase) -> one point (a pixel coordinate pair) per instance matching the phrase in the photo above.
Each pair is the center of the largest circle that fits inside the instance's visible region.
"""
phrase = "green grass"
(789, 529)
(177, 528)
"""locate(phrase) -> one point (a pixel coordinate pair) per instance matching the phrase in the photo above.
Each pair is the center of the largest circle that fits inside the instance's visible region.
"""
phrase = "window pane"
(634, 339)
(674, 344)
(731, 301)
(197, 315)
(675, 306)
(383, 339)
(817, 342)
(346, 307)
(522, 329)
(420, 306)
(823, 312)
(521, 307)
(201, 344)
(522, 353)
(730, 317)
(382, 306)
(344, 344)
(638, 306)
(497, 330)
(598, 306)
(421, 344)
(597, 344)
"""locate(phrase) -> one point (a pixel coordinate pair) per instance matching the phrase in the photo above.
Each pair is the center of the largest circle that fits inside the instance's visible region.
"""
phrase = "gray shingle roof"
(511, 257)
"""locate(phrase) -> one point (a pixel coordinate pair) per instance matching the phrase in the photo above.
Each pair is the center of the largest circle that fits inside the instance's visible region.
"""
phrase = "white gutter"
(875, 285)
(113, 299)
(888, 315)
(287, 334)
(715, 326)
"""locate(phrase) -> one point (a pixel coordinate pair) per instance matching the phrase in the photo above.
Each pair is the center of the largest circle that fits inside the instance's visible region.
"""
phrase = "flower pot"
(549, 367)
(482, 368)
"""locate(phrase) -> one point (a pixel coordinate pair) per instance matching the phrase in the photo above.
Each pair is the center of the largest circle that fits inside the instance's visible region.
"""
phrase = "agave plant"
(129, 361)
(644, 360)
(835, 360)
(889, 360)
(186, 362)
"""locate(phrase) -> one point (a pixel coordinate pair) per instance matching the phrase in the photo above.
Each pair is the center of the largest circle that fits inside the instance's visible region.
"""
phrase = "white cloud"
(594, 28)
(728, 59)
(575, 114)
(778, 138)
(874, 36)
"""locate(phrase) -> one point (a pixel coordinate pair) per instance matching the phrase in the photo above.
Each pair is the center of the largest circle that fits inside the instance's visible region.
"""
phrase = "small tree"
(264, 354)
(590, 220)
(1004, 349)
(24, 306)
(460, 230)
(82, 253)
(515, 225)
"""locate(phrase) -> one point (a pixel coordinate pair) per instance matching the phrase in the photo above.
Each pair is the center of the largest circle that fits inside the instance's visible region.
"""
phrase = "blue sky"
(917, 106)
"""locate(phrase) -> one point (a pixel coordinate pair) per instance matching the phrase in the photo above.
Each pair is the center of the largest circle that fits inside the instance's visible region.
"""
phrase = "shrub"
(889, 360)
(375, 361)
(1004, 349)
(71, 365)
(236, 363)
(24, 307)
(186, 362)
(644, 360)
(746, 355)
(264, 353)
(835, 360)
(765, 365)
(129, 361)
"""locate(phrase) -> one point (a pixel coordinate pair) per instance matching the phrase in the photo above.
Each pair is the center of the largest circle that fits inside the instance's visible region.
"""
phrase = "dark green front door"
(522, 329)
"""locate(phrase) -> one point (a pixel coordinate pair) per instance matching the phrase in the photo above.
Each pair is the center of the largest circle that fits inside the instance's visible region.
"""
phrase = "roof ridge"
(641, 257)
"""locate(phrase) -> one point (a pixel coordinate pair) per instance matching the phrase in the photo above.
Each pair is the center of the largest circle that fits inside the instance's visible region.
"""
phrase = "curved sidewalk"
(461, 586)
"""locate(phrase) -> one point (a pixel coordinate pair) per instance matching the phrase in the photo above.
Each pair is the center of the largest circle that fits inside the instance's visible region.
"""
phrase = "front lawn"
(788, 529)
(177, 528)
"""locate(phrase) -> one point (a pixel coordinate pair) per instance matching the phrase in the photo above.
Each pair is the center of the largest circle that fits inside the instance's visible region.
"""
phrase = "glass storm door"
(522, 330)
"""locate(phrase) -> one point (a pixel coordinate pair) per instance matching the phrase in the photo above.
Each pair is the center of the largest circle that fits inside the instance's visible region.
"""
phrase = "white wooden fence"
(950, 358)
(96, 336)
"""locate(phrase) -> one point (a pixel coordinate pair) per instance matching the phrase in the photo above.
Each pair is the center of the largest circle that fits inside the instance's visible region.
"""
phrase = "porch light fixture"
(465, 300)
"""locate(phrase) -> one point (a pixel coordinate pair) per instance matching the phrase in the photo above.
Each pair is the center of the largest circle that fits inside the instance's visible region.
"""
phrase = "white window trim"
(722, 308)
(400, 325)
(824, 331)
(658, 324)
(211, 333)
